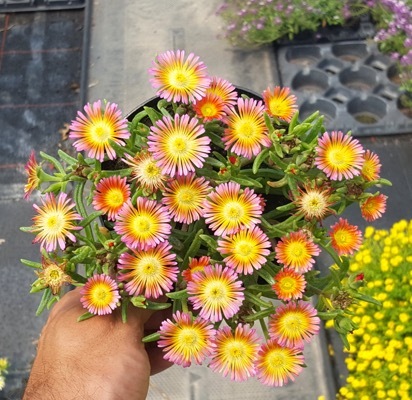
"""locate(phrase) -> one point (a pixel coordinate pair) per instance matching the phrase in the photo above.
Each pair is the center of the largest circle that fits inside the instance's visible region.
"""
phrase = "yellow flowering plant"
(4, 365)
(208, 200)
(379, 362)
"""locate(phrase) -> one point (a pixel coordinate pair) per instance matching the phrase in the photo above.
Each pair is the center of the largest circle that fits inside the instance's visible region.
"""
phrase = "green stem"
(78, 195)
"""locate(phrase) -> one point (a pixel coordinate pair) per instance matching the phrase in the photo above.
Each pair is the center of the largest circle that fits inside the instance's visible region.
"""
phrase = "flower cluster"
(4, 365)
(208, 200)
(254, 22)
(379, 361)
(394, 35)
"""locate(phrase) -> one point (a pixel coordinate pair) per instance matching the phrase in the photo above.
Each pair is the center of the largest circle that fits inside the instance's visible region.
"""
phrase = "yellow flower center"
(115, 198)
(296, 250)
(339, 157)
(287, 284)
(150, 266)
(341, 237)
(53, 274)
(236, 350)
(209, 110)
(189, 337)
(314, 204)
(276, 359)
(142, 224)
(233, 211)
(178, 144)
(179, 79)
(151, 169)
(55, 222)
(294, 322)
(246, 129)
(244, 249)
(216, 291)
(185, 196)
(101, 294)
(101, 132)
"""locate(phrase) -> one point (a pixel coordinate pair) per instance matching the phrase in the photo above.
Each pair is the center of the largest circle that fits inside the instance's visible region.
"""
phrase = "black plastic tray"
(7, 6)
(351, 83)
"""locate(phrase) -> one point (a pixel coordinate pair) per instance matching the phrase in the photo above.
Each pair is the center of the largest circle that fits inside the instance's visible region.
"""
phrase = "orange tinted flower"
(346, 238)
(246, 130)
(289, 285)
(339, 156)
(247, 250)
(294, 323)
(210, 107)
(186, 339)
(33, 180)
(371, 167)
(228, 209)
(296, 251)
(111, 194)
(280, 103)
(100, 294)
(276, 364)
(195, 264)
(235, 352)
(373, 207)
(178, 78)
(95, 129)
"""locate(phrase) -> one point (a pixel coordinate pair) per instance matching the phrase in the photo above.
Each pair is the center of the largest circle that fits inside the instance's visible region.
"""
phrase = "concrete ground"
(125, 37)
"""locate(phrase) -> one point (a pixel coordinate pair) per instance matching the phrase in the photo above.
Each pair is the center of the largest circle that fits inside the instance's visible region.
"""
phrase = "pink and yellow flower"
(216, 292)
(33, 181)
(185, 339)
(55, 221)
(346, 238)
(224, 89)
(146, 171)
(177, 78)
(247, 250)
(228, 209)
(144, 226)
(235, 352)
(185, 197)
(289, 285)
(195, 264)
(293, 324)
(100, 294)
(296, 251)
(280, 103)
(246, 130)
(276, 364)
(177, 144)
(111, 193)
(373, 207)
(150, 273)
(95, 129)
(371, 167)
(339, 156)
(211, 107)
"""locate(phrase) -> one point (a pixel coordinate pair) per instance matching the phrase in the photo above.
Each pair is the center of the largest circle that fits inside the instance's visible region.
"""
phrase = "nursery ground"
(125, 37)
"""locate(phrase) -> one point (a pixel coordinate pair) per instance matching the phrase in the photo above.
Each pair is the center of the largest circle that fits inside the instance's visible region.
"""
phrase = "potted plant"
(209, 201)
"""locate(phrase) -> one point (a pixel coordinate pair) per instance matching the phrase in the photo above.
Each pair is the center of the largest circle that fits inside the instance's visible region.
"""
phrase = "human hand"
(99, 358)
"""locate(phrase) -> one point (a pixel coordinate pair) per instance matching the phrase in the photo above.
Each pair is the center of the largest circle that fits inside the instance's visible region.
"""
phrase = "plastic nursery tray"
(360, 28)
(351, 83)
